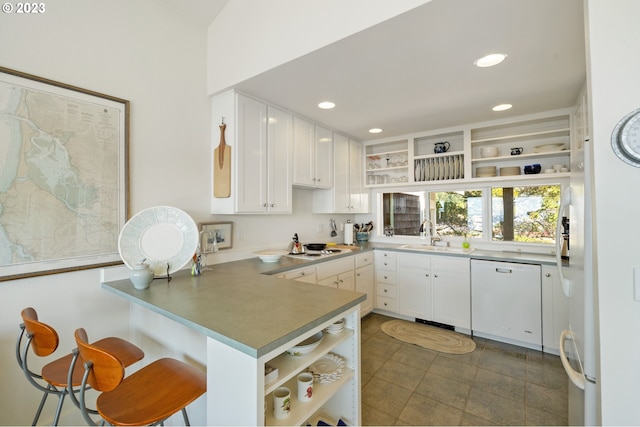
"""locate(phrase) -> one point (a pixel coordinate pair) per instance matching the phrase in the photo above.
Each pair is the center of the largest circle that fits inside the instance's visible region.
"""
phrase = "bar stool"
(148, 396)
(43, 340)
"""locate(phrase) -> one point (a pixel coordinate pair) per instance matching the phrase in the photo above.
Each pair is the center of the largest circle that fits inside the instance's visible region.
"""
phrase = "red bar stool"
(43, 340)
(148, 396)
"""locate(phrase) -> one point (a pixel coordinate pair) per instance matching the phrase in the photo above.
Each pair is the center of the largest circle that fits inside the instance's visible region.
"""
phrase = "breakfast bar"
(250, 319)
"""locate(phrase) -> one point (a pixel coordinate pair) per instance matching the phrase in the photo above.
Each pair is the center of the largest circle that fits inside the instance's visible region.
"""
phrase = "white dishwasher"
(506, 300)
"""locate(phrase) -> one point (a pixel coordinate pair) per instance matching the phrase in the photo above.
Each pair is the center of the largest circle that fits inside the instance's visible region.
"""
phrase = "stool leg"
(185, 416)
(59, 408)
(42, 402)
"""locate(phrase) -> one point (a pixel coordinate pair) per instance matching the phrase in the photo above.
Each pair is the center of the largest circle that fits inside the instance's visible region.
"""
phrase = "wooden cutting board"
(222, 168)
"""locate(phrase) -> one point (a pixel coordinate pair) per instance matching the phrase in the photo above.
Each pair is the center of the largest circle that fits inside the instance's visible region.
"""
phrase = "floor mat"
(427, 336)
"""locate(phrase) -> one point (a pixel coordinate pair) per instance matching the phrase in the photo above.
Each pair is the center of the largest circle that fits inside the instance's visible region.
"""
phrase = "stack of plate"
(336, 328)
(510, 171)
(548, 147)
(485, 171)
(327, 369)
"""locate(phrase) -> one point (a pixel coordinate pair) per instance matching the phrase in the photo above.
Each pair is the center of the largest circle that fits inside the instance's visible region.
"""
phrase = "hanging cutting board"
(222, 168)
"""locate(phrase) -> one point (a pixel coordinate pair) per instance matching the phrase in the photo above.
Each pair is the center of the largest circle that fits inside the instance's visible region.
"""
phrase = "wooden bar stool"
(43, 340)
(148, 396)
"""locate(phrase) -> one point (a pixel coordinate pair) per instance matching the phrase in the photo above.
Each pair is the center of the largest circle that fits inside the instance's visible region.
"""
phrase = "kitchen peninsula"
(249, 319)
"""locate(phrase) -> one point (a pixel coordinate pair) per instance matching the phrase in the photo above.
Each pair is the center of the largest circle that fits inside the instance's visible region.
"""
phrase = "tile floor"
(497, 384)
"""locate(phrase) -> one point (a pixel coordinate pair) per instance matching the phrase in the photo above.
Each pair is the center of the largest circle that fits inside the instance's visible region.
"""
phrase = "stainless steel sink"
(432, 248)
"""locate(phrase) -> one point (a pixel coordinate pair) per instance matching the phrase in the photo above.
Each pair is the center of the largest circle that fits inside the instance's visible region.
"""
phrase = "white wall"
(140, 51)
(614, 75)
(250, 37)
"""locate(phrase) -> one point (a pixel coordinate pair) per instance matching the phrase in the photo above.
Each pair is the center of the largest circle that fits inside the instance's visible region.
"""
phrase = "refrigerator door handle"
(565, 201)
(577, 378)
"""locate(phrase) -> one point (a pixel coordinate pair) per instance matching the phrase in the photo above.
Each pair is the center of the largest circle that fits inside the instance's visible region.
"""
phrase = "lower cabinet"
(385, 276)
(414, 286)
(306, 275)
(337, 274)
(435, 288)
(451, 291)
(365, 280)
(555, 309)
(335, 400)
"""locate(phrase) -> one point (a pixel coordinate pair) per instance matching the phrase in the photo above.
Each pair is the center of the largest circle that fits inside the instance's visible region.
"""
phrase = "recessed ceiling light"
(375, 130)
(490, 60)
(502, 107)
(326, 105)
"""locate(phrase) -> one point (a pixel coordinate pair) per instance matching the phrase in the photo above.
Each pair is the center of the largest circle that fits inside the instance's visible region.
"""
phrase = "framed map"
(63, 176)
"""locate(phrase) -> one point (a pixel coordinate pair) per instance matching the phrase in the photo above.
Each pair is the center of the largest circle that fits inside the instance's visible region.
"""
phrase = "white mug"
(281, 402)
(305, 387)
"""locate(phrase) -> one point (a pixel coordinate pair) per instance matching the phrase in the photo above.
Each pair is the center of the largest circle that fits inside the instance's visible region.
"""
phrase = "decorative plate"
(164, 236)
(625, 139)
(327, 369)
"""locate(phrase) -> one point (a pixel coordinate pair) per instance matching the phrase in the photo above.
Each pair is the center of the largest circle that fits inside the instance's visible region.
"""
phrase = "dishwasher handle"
(504, 270)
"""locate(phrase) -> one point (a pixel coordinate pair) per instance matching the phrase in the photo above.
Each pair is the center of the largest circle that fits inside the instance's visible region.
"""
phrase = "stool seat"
(154, 393)
(148, 396)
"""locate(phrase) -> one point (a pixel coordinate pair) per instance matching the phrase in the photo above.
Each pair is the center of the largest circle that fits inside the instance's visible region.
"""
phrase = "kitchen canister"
(141, 276)
(281, 402)
(305, 387)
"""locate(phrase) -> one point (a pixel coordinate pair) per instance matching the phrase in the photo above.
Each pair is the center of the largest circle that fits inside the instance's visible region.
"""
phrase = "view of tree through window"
(458, 213)
(525, 214)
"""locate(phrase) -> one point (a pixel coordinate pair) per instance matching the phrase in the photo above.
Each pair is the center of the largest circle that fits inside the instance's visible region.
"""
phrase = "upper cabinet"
(490, 151)
(348, 194)
(313, 155)
(260, 140)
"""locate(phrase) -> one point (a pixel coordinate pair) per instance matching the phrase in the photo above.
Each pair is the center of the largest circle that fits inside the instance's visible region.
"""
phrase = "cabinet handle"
(273, 205)
(341, 281)
(385, 304)
(385, 277)
(435, 275)
(358, 274)
(385, 263)
(265, 205)
(427, 274)
(385, 291)
(302, 274)
(547, 275)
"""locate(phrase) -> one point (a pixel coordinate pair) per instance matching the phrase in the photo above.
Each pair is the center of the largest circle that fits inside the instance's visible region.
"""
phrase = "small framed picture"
(218, 234)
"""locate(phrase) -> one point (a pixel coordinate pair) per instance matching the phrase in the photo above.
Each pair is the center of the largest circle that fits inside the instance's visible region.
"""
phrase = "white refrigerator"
(578, 343)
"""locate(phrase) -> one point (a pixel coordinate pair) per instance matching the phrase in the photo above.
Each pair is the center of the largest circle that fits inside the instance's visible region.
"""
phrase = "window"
(525, 214)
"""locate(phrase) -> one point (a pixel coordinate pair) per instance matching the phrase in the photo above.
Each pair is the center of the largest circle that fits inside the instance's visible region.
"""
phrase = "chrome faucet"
(425, 229)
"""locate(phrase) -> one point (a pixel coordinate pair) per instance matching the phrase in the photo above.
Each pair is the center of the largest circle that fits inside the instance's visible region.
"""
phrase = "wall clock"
(625, 138)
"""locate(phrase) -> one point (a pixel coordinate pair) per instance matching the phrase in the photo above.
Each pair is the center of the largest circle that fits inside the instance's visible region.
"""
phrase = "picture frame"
(65, 176)
(221, 231)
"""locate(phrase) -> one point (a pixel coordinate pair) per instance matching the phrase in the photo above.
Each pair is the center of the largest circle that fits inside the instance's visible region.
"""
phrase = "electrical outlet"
(240, 236)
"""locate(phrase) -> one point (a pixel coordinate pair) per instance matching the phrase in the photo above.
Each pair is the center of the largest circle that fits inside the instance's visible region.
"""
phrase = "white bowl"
(306, 346)
(270, 256)
(488, 152)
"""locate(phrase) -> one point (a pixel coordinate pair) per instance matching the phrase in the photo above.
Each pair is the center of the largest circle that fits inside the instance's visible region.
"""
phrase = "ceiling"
(415, 72)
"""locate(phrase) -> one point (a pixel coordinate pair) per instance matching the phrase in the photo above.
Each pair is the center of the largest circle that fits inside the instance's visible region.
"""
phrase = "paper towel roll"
(348, 234)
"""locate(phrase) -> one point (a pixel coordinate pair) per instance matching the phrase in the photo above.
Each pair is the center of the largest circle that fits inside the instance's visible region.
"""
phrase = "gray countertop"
(244, 305)
(233, 303)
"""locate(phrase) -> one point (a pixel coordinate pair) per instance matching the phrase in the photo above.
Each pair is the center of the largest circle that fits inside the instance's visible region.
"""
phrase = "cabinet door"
(251, 194)
(451, 291)
(280, 164)
(303, 152)
(347, 281)
(358, 198)
(341, 194)
(364, 283)
(414, 286)
(323, 157)
(555, 309)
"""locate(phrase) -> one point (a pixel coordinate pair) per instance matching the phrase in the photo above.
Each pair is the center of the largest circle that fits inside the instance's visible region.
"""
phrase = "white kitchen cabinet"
(261, 142)
(385, 276)
(555, 309)
(451, 291)
(347, 194)
(305, 274)
(414, 285)
(337, 274)
(313, 155)
(365, 280)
